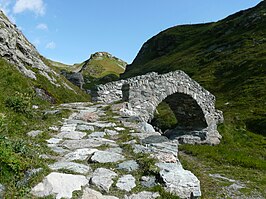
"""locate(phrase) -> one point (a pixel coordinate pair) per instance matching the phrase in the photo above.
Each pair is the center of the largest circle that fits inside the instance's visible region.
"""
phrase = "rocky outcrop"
(16, 49)
(191, 103)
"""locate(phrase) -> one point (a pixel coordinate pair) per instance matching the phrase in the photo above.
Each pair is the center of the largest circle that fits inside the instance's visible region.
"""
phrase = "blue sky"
(69, 31)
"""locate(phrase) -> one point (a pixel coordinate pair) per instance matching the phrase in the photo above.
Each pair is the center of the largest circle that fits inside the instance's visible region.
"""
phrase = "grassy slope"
(99, 70)
(229, 59)
(18, 152)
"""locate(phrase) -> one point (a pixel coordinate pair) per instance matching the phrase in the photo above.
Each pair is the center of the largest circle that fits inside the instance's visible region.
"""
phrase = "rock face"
(191, 103)
(16, 49)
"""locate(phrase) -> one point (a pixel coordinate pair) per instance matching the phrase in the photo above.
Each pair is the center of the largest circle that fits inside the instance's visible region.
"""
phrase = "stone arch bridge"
(193, 105)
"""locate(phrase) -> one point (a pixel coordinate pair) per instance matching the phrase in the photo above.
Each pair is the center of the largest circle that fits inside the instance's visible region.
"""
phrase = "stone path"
(102, 157)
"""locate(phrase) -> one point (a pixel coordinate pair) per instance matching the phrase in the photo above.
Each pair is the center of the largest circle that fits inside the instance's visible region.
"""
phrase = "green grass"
(228, 58)
(19, 152)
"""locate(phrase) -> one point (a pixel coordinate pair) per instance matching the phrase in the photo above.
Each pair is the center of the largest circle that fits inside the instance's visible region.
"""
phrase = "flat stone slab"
(97, 134)
(80, 154)
(129, 166)
(84, 127)
(103, 179)
(73, 135)
(106, 157)
(144, 195)
(126, 183)
(59, 184)
(54, 140)
(92, 194)
(87, 143)
(178, 181)
(68, 127)
(111, 132)
(71, 166)
(102, 124)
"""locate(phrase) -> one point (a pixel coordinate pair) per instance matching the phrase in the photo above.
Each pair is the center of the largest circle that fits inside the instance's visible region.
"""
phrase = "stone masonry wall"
(144, 93)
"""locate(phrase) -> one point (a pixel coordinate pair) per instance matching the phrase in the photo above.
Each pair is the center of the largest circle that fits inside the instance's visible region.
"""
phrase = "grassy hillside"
(228, 58)
(18, 152)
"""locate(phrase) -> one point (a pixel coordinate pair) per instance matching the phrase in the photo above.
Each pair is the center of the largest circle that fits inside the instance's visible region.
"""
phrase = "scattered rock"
(73, 135)
(178, 181)
(129, 166)
(148, 181)
(143, 195)
(71, 166)
(28, 175)
(218, 176)
(59, 184)
(92, 194)
(106, 157)
(102, 178)
(126, 183)
(34, 133)
(80, 154)
(84, 127)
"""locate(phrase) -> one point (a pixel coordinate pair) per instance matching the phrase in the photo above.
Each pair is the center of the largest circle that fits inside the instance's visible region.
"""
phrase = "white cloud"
(51, 45)
(36, 6)
(42, 26)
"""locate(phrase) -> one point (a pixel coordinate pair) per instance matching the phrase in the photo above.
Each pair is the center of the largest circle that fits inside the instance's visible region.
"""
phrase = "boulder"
(59, 184)
(103, 179)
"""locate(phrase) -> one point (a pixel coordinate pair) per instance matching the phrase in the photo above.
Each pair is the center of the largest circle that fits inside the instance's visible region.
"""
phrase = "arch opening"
(178, 115)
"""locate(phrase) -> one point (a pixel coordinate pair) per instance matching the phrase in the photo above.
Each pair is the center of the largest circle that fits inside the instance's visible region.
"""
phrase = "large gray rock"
(106, 157)
(144, 127)
(79, 154)
(71, 166)
(144, 195)
(129, 166)
(59, 184)
(126, 183)
(103, 179)
(92, 194)
(178, 181)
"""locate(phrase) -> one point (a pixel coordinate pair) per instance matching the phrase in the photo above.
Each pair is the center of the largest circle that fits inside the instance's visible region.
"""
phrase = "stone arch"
(144, 93)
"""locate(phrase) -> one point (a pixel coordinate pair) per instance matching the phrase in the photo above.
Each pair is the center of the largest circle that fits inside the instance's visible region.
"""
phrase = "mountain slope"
(28, 88)
(228, 58)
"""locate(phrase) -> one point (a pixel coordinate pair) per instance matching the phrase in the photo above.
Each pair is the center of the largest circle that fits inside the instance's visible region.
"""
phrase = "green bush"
(20, 103)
